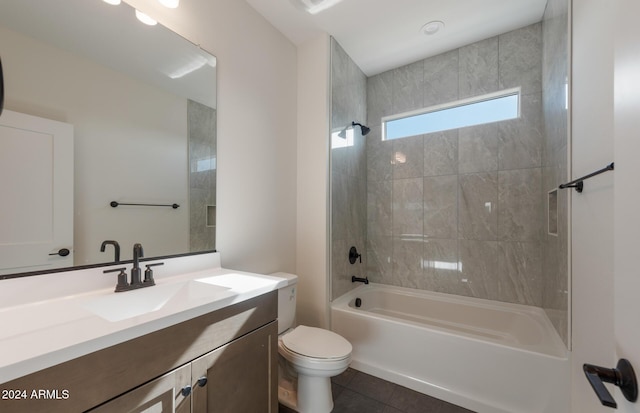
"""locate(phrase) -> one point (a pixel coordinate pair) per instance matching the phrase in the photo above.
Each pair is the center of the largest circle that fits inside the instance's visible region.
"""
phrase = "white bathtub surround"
(52, 318)
(486, 356)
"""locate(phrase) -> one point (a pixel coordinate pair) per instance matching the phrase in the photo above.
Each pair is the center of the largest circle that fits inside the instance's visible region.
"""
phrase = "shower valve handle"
(353, 255)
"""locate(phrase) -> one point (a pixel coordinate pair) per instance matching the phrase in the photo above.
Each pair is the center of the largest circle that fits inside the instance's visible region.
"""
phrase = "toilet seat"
(316, 343)
(321, 367)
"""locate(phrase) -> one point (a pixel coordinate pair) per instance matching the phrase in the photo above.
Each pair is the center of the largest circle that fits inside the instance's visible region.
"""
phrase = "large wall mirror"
(141, 103)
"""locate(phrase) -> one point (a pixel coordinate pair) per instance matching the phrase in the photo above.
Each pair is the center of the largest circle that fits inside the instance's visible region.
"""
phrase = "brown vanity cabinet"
(223, 361)
(238, 377)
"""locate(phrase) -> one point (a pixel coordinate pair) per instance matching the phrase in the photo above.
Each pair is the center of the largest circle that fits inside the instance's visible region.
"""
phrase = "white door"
(36, 188)
(627, 189)
(605, 223)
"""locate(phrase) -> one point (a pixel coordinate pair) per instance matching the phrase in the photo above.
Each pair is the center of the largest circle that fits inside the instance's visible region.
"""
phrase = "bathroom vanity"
(210, 346)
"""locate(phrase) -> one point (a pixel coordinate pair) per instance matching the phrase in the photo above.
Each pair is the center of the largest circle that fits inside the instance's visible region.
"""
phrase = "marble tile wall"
(201, 123)
(555, 73)
(460, 211)
(348, 171)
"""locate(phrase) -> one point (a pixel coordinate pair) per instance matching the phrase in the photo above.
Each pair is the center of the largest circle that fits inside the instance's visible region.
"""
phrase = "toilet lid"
(317, 343)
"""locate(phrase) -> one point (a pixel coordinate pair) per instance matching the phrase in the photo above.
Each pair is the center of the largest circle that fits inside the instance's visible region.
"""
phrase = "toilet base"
(313, 394)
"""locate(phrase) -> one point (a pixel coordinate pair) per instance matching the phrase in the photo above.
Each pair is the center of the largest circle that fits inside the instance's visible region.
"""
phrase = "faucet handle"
(148, 273)
(122, 284)
(354, 255)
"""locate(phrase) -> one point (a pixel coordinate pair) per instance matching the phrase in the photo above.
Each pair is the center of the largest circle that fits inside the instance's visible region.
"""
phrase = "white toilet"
(308, 357)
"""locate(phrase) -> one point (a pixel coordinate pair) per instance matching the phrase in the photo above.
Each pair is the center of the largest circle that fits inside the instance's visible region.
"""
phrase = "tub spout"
(355, 279)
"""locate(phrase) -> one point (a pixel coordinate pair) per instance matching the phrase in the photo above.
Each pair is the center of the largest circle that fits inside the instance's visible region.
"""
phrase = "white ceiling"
(384, 34)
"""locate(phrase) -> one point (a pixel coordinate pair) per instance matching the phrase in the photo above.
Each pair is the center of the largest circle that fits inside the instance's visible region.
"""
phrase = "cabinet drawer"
(162, 395)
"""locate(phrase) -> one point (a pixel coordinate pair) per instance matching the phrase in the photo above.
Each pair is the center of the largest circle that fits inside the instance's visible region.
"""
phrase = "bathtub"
(486, 356)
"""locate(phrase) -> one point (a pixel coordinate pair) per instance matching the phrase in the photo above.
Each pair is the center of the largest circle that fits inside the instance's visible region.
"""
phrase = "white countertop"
(59, 322)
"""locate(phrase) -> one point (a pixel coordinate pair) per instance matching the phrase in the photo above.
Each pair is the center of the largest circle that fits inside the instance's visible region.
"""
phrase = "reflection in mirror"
(141, 104)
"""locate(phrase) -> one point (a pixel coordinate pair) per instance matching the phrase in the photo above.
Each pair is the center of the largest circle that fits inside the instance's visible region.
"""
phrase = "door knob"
(63, 252)
(622, 376)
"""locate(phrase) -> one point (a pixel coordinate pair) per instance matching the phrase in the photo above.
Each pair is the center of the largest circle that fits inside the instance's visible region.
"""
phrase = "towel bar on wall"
(579, 185)
(174, 206)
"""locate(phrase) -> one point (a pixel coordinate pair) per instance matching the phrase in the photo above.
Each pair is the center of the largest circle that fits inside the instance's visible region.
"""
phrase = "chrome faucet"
(138, 252)
(116, 248)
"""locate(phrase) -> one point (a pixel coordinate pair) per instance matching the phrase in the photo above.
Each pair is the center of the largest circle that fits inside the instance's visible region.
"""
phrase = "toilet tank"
(286, 301)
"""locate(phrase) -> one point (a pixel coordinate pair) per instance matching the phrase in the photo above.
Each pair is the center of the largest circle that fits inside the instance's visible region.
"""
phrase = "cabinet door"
(162, 395)
(241, 376)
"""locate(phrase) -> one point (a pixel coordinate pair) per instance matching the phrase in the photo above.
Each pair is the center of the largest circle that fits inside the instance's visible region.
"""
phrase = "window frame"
(451, 105)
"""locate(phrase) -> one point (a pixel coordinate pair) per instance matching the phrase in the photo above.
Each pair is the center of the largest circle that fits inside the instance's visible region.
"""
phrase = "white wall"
(592, 211)
(256, 209)
(313, 177)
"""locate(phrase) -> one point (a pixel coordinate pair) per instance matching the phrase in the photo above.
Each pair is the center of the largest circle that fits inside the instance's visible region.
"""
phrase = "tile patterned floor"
(357, 392)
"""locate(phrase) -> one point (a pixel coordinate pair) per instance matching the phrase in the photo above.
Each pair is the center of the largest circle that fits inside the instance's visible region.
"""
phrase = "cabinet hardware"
(186, 390)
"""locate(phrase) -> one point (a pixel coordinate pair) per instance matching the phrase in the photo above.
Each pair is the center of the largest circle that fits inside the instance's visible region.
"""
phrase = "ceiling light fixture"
(171, 4)
(112, 2)
(432, 27)
(145, 19)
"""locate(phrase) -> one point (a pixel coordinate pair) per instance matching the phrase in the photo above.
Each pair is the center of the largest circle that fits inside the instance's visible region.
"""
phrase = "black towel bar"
(579, 185)
(174, 206)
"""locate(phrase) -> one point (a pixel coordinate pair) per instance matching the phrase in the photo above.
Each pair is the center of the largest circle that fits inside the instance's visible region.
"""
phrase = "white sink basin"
(161, 299)
(53, 319)
(129, 304)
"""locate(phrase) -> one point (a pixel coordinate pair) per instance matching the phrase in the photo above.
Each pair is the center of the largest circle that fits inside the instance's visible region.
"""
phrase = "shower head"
(363, 129)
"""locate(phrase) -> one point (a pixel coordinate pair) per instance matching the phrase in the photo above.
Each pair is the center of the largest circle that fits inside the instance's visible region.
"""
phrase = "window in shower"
(494, 107)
